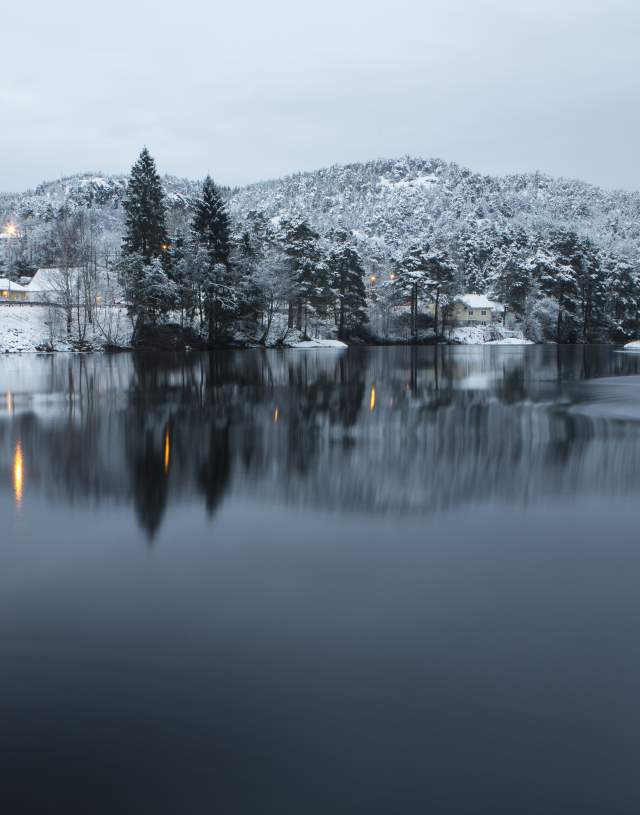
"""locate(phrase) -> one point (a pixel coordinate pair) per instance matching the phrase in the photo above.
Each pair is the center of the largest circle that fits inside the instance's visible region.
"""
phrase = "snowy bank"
(23, 328)
(486, 335)
(29, 328)
(633, 346)
(306, 344)
(510, 341)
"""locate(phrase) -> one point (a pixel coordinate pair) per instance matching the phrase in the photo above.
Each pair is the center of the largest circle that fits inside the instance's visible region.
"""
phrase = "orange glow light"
(276, 415)
(18, 474)
(167, 451)
(372, 399)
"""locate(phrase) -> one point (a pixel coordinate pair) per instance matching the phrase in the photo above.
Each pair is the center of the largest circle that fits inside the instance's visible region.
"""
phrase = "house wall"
(9, 295)
(472, 316)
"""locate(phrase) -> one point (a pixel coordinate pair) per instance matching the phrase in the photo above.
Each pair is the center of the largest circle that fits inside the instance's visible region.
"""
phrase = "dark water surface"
(377, 581)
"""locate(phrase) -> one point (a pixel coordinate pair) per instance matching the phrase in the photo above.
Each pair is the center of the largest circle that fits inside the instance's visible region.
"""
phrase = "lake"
(385, 580)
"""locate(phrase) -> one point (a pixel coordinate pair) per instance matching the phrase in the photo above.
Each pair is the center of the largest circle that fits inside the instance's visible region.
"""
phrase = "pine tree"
(421, 271)
(148, 289)
(509, 279)
(623, 298)
(347, 280)
(591, 290)
(181, 273)
(574, 279)
(210, 225)
(144, 207)
(410, 277)
(309, 273)
(211, 238)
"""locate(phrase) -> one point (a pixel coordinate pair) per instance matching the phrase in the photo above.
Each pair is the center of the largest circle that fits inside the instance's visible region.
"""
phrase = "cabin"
(11, 292)
(477, 309)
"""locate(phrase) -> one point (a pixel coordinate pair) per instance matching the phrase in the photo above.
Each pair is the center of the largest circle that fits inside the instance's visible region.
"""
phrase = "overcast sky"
(250, 89)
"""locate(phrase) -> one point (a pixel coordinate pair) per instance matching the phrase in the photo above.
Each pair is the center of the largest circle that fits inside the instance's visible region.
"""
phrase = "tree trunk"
(341, 319)
(559, 330)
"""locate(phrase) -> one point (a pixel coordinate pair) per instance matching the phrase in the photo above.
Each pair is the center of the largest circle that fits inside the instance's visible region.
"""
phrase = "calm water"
(378, 581)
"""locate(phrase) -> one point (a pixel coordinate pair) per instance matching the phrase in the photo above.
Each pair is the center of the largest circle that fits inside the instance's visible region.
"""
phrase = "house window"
(484, 313)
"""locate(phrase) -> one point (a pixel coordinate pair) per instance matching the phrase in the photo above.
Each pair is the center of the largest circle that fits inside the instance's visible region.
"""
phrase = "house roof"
(48, 279)
(5, 284)
(478, 301)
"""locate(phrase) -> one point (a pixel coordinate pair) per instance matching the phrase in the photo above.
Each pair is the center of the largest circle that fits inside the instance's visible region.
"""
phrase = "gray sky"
(250, 89)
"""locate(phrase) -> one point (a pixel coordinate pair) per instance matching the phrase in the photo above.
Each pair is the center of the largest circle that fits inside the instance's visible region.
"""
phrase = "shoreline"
(355, 346)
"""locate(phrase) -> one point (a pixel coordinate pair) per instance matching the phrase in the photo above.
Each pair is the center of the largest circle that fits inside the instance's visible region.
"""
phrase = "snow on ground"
(418, 181)
(319, 344)
(510, 341)
(26, 328)
(22, 328)
(633, 346)
(492, 334)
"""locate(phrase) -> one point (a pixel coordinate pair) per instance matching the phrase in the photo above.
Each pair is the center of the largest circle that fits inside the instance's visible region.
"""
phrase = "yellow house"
(11, 292)
(476, 309)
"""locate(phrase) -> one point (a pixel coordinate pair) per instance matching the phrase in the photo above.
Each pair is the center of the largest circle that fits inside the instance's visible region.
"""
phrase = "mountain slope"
(398, 201)
(388, 204)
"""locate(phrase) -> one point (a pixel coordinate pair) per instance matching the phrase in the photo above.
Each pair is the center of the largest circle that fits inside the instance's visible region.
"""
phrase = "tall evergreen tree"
(310, 292)
(148, 290)
(211, 237)
(347, 280)
(623, 298)
(509, 279)
(210, 225)
(144, 207)
(420, 271)
(556, 267)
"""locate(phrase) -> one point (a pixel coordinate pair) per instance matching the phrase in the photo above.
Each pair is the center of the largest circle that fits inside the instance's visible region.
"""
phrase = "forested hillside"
(562, 255)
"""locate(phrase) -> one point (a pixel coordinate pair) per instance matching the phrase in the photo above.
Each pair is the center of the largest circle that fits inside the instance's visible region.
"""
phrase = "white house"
(11, 292)
(47, 283)
(477, 309)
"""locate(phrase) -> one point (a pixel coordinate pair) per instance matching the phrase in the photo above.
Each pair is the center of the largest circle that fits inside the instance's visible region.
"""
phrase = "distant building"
(46, 284)
(476, 309)
(11, 292)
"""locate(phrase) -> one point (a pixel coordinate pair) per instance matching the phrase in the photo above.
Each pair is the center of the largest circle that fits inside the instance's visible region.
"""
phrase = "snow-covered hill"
(388, 204)
(397, 202)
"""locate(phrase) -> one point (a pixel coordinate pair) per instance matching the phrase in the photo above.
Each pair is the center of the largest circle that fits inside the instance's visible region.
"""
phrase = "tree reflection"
(215, 472)
(373, 430)
(149, 483)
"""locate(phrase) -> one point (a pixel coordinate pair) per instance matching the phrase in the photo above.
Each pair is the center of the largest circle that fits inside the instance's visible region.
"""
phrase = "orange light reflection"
(167, 451)
(18, 474)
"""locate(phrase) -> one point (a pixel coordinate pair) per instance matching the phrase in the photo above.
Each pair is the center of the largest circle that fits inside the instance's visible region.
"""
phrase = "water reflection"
(167, 451)
(457, 425)
(18, 474)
